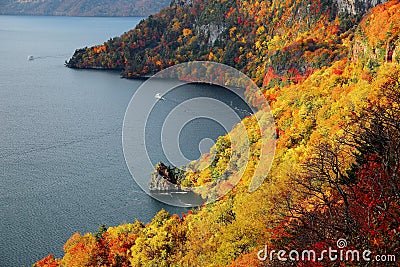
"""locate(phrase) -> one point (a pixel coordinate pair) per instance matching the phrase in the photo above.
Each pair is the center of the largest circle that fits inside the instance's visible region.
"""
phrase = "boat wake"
(31, 57)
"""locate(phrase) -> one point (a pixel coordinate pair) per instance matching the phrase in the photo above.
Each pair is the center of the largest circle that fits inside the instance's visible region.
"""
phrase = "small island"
(166, 178)
(165, 186)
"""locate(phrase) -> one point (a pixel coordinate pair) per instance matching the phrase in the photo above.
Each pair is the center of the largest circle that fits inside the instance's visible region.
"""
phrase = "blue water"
(62, 168)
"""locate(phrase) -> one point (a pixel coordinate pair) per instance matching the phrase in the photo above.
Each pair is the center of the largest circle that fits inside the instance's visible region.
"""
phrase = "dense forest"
(133, 8)
(330, 71)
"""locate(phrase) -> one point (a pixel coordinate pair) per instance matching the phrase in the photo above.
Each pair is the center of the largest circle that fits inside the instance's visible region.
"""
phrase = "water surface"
(62, 168)
(61, 163)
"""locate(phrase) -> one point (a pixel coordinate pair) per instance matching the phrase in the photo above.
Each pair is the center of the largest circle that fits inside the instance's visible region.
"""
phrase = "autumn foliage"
(335, 99)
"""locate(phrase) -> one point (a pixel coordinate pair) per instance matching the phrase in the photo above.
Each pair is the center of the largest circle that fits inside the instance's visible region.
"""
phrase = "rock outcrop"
(165, 178)
(159, 183)
(356, 7)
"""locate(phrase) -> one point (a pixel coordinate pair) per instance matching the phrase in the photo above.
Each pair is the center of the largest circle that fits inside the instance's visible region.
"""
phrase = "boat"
(159, 96)
(31, 57)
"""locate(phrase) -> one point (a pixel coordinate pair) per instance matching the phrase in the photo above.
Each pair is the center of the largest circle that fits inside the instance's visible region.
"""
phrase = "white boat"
(159, 96)
(31, 57)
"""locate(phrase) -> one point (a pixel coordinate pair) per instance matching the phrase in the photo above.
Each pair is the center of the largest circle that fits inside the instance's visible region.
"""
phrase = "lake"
(62, 166)
(61, 157)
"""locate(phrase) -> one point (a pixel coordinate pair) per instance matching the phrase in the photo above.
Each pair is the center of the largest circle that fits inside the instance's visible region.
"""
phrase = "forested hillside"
(331, 73)
(287, 38)
(137, 8)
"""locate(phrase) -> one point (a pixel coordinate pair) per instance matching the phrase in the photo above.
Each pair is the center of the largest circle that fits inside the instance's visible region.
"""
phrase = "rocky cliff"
(159, 183)
(165, 178)
(356, 7)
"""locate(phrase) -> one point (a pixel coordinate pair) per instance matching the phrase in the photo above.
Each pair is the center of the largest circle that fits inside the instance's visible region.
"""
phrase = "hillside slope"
(139, 8)
(291, 37)
(333, 84)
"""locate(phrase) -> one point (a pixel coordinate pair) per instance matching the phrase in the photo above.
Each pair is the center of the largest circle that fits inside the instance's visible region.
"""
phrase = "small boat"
(31, 57)
(159, 96)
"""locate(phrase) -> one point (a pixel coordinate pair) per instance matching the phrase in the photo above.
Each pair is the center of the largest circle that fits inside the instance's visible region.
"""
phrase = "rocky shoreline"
(166, 178)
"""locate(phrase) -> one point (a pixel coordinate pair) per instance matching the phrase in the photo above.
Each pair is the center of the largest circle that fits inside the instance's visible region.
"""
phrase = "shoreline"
(147, 77)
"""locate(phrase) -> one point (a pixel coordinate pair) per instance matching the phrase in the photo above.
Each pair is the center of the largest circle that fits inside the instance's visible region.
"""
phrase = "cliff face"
(356, 7)
(165, 178)
(159, 183)
(183, 3)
